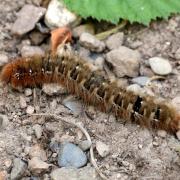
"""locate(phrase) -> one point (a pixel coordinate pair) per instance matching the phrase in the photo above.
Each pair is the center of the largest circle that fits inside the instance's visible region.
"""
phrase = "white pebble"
(28, 92)
(102, 149)
(160, 65)
(30, 110)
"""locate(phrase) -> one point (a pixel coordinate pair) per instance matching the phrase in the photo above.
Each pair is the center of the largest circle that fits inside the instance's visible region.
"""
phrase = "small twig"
(155, 78)
(105, 34)
(77, 124)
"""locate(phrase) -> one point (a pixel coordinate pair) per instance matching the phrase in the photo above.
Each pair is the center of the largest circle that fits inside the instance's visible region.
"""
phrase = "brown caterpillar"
(71, 71)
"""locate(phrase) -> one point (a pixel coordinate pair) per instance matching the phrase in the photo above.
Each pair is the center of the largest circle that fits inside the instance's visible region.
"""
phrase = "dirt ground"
(135, 153)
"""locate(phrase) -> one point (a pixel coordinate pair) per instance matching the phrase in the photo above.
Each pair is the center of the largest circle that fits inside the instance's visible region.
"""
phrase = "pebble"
(160, 65)
(30, 110)
(37, 166)
(22, 102)
(28, 92)
(77, 31)
(38, 130)
(74, 105)
(135, 88)
(99, 62)
(71, 155)
(27, 18)
(85, 173)
(3, 59)
(57, 15)
(125, 61)
(19, 167)
(53, 89)
(91, 42)
(102, 149)
(37, 38)
(85, 145)
(176, 103)
(162, 133)
(178, 134)
(141, 80)
(4, 121)
(28, 51)
(114, 41)
(37, 151)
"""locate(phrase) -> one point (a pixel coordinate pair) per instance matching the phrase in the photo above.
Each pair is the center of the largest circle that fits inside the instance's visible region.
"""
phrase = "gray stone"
(30, 110)
(37, 166)
(160, 65)
(37, 151)
(74, 105)
(177, 54)
(3, 121)
(38, 130)
(77, 31)
(115, 40)
(86, 173)
(135, 88)
(18, 169)
(22, 102)
(28, 51)
(28, 92)
(91, 42)
(102, 149)
(28, 16)
(57, 15)
(85, 145)
(3, 59)
(141, 80)
(71, 155)
(125, 61)
(53, 89)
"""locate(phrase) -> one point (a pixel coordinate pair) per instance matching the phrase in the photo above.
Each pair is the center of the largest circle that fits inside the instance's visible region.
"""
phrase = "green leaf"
(142, 11)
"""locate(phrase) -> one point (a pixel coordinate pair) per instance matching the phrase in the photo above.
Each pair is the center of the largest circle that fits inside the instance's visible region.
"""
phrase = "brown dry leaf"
(59, 36)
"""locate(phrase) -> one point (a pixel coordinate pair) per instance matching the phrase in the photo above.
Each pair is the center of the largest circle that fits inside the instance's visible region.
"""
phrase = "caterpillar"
(82, 79)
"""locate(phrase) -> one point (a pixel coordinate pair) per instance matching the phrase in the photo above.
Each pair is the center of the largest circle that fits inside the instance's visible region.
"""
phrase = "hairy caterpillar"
(78, 76)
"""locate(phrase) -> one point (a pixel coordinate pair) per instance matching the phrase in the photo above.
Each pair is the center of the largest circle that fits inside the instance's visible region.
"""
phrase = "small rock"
(99, 62)
(37, 151)
(28, 16)
(71, 155)
(162, 133)
(3, 121)
(28, 92)
(38, 130)
(3, 59)
(37, 166)
(125, 61)
(53, 89)
(102, 149)
(85, 173)
(18, 169)
(37, 38)
(58, 16)
(160, 65)
(141, 80)
(30, 110)
(135, 88)
(178, 134)
(22, 102)
(77, 31)
(74, 105)
(85, 145)
(3, 175)
(66, 138)
(28, 51)
(91, 42)
(115, 40)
